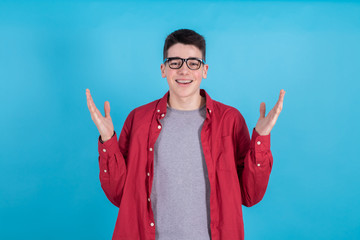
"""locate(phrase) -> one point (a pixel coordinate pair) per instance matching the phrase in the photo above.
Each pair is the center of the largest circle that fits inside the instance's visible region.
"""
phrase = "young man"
(184, 164)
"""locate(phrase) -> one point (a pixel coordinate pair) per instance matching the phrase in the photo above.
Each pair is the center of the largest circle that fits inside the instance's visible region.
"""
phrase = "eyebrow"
(185, 58)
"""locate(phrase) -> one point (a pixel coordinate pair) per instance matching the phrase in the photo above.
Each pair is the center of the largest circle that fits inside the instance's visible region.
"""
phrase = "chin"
(186, 92)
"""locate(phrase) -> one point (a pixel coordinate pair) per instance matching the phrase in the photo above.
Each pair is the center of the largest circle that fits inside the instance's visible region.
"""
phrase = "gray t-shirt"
(180, 195)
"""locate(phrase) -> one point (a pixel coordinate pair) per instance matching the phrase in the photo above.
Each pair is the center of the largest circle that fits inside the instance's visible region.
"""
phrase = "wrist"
(105, 138)
(261, 133)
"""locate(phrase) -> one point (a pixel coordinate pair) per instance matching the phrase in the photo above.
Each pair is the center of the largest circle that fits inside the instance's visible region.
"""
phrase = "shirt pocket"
(226, 161)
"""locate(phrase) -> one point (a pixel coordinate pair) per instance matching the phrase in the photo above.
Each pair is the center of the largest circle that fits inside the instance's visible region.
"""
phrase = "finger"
(281, 95)
(262, 110)
(107, 109)
(279, 105)
(95, 113)
(90, 102)
(88, 98)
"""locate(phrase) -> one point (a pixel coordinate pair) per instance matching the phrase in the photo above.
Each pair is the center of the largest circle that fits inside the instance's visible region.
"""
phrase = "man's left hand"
(265, 124)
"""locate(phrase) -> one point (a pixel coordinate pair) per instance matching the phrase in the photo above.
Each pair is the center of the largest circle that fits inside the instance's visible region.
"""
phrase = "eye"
(174, 64)
(194, 63)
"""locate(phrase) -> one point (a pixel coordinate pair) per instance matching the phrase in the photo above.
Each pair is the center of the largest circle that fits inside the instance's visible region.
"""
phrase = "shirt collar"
(162, 104)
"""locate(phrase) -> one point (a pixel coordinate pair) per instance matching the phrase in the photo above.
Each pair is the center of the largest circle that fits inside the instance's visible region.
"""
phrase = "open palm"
(103, 124)
(265, 124)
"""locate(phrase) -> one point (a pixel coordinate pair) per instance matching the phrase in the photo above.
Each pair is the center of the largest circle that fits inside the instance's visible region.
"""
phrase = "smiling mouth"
(184, 81)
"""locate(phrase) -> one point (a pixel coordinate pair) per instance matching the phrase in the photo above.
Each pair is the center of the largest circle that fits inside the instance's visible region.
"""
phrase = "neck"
(186, 103)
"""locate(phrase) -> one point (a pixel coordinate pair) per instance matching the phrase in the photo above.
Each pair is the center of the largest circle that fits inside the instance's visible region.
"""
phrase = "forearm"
(256, 170)
(112, 169)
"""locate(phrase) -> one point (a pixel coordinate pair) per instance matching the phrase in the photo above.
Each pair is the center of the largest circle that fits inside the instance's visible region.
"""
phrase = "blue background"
(50, 52)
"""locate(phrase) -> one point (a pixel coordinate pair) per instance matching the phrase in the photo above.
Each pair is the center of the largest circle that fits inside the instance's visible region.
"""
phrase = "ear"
(163, 72)
(205, 69)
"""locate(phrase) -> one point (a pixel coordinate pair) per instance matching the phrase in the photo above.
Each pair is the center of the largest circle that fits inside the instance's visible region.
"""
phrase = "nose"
(184, 69)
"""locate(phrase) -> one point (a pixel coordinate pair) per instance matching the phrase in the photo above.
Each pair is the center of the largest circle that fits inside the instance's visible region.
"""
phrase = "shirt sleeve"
(254, 163)
(112, 164)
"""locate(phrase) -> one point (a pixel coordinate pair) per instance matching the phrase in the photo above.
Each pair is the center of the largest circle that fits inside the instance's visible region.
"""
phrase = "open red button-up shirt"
(238, 169)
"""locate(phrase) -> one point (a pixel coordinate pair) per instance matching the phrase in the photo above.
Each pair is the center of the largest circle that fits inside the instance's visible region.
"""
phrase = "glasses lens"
(194, 64)
(175, 63)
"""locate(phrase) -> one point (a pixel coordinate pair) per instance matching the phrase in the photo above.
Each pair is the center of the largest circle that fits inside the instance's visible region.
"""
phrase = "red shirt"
(238, 169)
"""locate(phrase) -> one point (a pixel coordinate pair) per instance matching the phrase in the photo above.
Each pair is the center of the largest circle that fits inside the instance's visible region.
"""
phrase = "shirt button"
(258, 143)
(105, 170)
(158, 110)
(150, 149)
(104, 150)
(258, 164)
(162, 115)
(159, 127)
(209, 110)
(148, 174)
(152, 224)
(149, 199)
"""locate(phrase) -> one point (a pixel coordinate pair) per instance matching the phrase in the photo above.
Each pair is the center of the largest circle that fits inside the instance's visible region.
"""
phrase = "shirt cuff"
(260, 143)
(108, 146)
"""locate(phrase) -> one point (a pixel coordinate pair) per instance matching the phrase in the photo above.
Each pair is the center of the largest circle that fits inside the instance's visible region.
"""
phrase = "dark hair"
(185, 36)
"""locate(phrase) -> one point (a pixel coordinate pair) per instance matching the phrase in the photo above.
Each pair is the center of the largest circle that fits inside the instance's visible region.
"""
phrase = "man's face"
(178, 78)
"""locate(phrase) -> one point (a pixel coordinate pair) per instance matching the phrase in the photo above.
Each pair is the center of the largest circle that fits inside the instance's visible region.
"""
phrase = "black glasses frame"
(184, 60)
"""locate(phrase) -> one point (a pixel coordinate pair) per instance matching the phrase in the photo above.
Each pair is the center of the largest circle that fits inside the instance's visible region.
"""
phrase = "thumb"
(262, 110)
(107, 109)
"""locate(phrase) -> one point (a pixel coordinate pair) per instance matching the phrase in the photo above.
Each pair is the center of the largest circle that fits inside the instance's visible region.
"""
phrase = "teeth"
(184, 81)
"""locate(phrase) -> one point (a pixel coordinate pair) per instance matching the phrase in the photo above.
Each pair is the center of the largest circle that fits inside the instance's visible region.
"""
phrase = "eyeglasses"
(192, 63)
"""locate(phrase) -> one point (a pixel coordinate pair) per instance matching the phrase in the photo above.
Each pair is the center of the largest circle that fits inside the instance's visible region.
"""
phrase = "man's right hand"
(103, 124)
